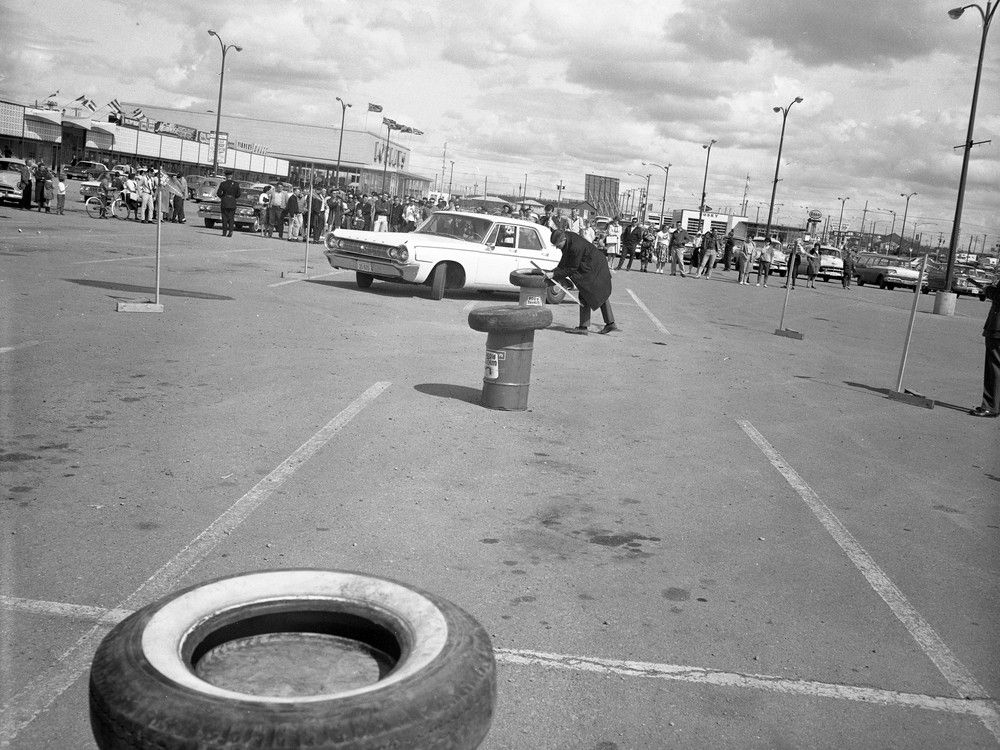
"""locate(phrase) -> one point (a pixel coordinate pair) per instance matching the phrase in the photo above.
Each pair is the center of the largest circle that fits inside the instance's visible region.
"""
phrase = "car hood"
(10, 178)
(408, 238)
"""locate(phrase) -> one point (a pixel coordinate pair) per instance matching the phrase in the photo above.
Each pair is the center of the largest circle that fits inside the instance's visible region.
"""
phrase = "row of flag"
(114, 105)
(392, 124)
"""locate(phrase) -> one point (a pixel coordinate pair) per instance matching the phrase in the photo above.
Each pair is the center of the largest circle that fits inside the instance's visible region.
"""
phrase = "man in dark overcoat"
(587, 267)
(228, 192)
(990, 406)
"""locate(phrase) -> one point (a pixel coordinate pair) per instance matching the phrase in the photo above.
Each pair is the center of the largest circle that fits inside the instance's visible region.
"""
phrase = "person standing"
(646, 248)
(794, 261)
(612, 240)
(294, 210)
(26, 177)
(61, 195)
(276, 212)
(812, 265)
(264, 208)
(145, 186)
(631, 237)
(228, 192)
(727, 253)
(48, 190)
(678, 240)
(587, 232)
(585, 266)
(990, 406)
(848, 269)
(709, 249)
(744, 260)
(575, 222)
(764, 261)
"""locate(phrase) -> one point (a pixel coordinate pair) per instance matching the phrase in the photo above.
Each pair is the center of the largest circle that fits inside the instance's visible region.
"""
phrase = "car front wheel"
(439, 278)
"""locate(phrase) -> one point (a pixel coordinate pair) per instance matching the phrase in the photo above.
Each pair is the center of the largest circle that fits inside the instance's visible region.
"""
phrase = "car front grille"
(365, 249)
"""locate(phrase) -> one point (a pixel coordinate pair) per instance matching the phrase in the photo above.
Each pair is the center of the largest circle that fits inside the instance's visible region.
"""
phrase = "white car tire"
(436, 689)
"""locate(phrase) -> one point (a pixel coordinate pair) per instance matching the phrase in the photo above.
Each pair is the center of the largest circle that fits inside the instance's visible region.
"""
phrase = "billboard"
(601, 193)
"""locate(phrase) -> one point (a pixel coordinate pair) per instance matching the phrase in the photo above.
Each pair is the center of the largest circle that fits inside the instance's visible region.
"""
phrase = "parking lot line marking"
(307, 278)
(656, 322)
(15, 347)
(808, 688)
(978, 708)
(42, 690)
(956, 673)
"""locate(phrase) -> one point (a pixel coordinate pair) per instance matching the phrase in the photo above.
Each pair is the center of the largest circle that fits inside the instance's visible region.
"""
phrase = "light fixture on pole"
(451, 177)
(666, 174)
(781, 142)
(343, 113)
(840, 223)
(218, 109)
(704, 182)
(559, 188)
(987, 15)
(902, 231)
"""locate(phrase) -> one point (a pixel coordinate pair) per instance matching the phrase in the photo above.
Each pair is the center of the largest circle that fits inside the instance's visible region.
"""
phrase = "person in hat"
(585, 265)
(990, 405)
(228, 192)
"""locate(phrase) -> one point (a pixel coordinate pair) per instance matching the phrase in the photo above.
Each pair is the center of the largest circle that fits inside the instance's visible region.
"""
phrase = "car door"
(499, 257)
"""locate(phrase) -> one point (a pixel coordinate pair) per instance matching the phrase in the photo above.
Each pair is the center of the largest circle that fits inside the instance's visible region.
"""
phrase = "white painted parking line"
(956, 673)
(306, 278)
(41, 691)
(15, 347)
(626, 668)
(656, 322)
(807, 688)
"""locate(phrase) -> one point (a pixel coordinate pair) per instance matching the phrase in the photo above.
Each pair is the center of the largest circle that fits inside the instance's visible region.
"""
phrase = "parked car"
(123, 169)
(960, 284)
(85, 170)
(831, 263)
(10, 179)
(193, 183)
(247, 211)
(207, 188)
(887, 271)
(450, 250)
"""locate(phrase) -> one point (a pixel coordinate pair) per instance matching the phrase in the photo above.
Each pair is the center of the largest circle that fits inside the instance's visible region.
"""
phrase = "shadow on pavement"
(445, 390)
(136, 289)
(886, 391)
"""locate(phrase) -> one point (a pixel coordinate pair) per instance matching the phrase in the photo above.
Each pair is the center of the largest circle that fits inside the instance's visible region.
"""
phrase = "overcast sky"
(558, 89)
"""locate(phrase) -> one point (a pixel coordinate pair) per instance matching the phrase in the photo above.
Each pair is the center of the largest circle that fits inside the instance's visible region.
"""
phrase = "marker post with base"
(304, 273)
(908, 396)
(781, 330)
(147, 306)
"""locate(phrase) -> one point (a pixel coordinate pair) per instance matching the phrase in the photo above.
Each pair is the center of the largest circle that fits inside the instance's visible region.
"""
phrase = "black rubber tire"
(926, 290)
(209, 223)
(554, 295)
(861, 282)
(93, 206)
(889, 286)
(881, 282)
(438, 279)
(442, 698)
(364, 280)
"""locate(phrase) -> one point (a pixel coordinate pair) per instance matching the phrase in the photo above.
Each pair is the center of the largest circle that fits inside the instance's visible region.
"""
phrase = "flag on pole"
(80, 98)
(115, 106)
(137, 112)
(391, 124)
(53, 96)
(90, 104)
(374, 107)
(416, 132)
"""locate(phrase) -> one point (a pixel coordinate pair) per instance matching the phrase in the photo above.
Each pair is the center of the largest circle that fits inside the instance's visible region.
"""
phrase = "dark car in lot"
(960, 284)
(247, 210)
(85, 170)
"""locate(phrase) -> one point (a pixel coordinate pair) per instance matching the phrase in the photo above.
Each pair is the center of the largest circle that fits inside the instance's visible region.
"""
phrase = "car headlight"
(399, 254)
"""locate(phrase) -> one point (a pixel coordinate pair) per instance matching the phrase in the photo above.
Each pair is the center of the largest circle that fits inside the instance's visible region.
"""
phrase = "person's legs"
(991, 375)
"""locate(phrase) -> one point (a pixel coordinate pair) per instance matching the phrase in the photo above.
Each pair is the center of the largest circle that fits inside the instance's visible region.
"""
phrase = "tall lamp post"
(840, 222)
(645, 195)
(218, 109)
(939, 305)
(666, 174)
(704, 182)
(343, 114)
(902, 231)
(781, 142)
(451, 176)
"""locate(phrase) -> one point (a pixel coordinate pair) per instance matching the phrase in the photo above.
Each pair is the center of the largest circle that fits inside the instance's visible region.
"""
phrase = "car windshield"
(471, 228)
(11, 165)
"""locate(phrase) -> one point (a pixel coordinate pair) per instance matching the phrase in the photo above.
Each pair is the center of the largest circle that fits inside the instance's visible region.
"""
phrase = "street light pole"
(902, 231)
(704, 182)
(343, 114)
(987, 15)
(218, 109)
(666, 174)
(840, 223)
(781, 142)
(451, 177)
(559, 189)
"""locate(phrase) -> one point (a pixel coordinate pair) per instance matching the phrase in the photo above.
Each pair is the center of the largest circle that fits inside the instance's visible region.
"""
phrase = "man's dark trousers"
(228, 220)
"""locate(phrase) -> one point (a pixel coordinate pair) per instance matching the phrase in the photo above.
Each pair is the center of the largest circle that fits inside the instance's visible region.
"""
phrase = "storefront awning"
(45, 115)
(84, 123)
(105, 127)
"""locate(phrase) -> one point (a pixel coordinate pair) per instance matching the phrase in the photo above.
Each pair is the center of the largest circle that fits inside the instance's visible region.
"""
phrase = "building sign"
(208, 138)
(181, 131)
(139, 124)
(601, 193)
(253, 148)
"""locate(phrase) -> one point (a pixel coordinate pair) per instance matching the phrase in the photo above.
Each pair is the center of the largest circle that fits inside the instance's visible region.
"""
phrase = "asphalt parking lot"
(699, 535)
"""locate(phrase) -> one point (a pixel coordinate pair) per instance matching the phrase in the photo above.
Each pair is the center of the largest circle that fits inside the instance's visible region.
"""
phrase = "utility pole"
(864, 215)
(444, 155)
(559, 188)
(746, 189)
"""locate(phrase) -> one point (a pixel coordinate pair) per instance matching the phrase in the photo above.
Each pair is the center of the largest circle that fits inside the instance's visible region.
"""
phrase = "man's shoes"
(578, 331)
(982, 411)
(609, 328)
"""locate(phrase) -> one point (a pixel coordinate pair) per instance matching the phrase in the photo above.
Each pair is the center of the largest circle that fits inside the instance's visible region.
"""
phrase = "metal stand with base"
(901, 394)
(154, 306)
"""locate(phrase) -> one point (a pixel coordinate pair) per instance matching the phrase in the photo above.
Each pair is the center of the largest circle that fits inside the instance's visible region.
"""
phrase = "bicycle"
(97, 207)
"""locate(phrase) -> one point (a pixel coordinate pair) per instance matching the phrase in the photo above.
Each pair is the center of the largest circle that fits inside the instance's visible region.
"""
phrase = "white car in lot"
(831, 263)
(450, 250)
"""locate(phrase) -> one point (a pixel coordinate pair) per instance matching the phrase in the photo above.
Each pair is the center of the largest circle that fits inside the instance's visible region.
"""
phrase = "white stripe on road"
(677, 672)
(41, 691)
(808, 688)
(656, 322)
(307, 278)
(956, 673)
(15, 347)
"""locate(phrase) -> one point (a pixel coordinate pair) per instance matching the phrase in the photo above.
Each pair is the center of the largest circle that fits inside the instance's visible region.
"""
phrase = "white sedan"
(450, 250)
